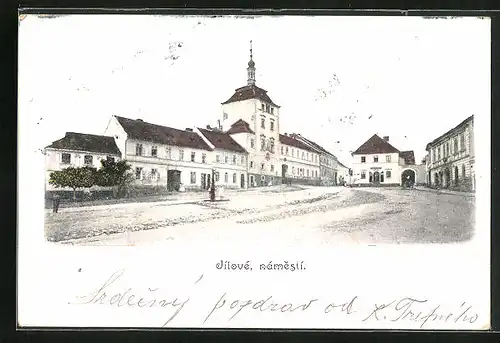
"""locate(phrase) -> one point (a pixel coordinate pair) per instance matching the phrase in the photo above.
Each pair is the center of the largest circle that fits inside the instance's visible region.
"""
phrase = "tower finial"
(251, 68)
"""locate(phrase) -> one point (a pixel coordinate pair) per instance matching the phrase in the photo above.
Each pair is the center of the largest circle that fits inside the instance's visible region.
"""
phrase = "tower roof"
(250, 92)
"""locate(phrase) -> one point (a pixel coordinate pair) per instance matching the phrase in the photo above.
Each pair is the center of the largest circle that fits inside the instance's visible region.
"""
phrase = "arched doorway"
(408, 177)
(447, 178)
(284, 170)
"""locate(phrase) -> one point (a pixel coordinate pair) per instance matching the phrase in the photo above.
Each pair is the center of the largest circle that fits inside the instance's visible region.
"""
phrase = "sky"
(338, 80)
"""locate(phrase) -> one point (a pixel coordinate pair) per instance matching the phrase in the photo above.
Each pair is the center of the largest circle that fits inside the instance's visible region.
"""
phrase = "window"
(375, 158)
(292, 152)
(88, 160)
(226, 177)
(272, 167)
(154, 174)
(217, 158)
(234, 178)
(363, 175)
(271, 125)
(224, 116)
(439, 152)
(388, 174)
(203, 158)
(455, 145)
(138, 149)
(286, 151)
(307, 172)
(262, 142)
(193, 177)
(154, 151)
(65, 158)
(226, 159)
(363, 159)
(168, 151)
(216, 176)
(263, 107)
(110, 159)
(463, 171)
(282, 150)
(272, 110)
(303, 155)
(434, 154)
(193, 156)
(271, 144)
(262, 166)
(234, 159)
(307, 156)
(242, 160)
(268, 108)
(263, 123)
(251, 164)
(252, 143)
(388, 158)
(293, 170)
(138, 173)
(181, 155)
(462, 142)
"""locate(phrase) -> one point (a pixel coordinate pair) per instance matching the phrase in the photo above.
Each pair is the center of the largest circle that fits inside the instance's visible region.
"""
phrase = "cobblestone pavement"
(313, 215)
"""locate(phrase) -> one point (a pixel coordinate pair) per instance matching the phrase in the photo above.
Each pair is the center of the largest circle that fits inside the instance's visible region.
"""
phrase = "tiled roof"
(250, 92)
(85, 142)
(240, 126)
(140, 130)
(221, 140)
(449, 131)
(375, 145)
(318, 148)
(287, 140)
(408, 156)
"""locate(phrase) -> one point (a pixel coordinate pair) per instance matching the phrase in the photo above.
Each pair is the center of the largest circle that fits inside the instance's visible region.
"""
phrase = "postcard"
(259, 171)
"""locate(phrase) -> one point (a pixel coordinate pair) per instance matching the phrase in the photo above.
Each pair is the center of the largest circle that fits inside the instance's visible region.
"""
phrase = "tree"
(115, 174)
(81, 177)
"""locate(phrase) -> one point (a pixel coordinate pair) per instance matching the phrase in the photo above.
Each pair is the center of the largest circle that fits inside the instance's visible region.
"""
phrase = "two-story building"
(228, 159)
(452, 158)
(377, 163)
(78, 150)
(299, 161)
(331, 171)
(162, 156)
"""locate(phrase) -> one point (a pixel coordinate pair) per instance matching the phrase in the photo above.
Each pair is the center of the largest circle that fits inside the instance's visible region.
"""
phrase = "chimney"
(386, 138)
(208, 127)
(188, 129)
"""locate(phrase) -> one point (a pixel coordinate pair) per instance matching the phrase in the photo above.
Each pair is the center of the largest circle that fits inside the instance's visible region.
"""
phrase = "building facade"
(451, 158)
(299, 162)
(78, 150)
(331, 171)
(378, 163)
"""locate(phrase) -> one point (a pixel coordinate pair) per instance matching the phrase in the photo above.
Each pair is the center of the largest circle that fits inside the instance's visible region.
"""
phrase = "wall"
(114, 129)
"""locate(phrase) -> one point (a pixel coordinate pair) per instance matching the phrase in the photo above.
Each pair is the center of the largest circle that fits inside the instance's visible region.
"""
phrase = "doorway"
(242, 181)
(173, 180)
(376, 178)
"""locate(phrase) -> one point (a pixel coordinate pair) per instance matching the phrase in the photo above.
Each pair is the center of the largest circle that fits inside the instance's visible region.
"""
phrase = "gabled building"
(228, 159)
(452, 158)
(377, 163)
(299, 161)
(161, 155)
(79, 150)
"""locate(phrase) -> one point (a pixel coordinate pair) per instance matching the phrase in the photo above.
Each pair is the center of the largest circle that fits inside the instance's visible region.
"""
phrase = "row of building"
(449, 162)
(244, 150)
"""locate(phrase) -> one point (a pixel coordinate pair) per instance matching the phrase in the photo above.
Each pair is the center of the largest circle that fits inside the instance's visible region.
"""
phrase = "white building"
(451, 158)
(332, 172)
(252, 119)
(378, 163)
(78, 150)
(299, 162)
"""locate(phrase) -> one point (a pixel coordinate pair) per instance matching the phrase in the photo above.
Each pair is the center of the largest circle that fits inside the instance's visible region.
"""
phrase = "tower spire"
(251, 68)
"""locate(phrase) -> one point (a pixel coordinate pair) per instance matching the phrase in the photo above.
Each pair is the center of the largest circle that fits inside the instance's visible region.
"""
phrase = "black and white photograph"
(308, 133)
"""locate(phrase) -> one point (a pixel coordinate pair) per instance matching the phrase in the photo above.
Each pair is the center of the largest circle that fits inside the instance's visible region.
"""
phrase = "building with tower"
(252, 119)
